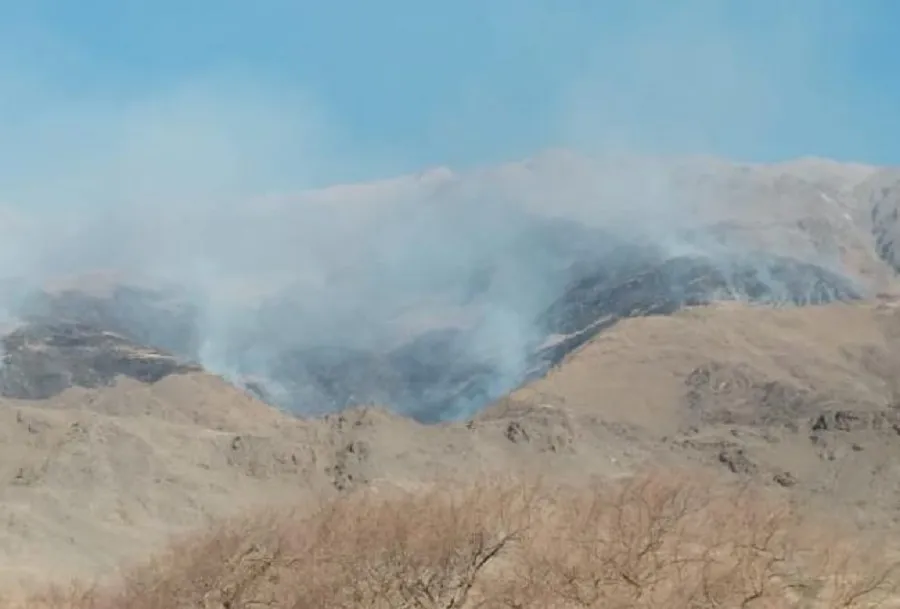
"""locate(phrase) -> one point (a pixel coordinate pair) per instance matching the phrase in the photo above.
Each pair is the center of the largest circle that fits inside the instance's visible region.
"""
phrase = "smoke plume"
(212, 188)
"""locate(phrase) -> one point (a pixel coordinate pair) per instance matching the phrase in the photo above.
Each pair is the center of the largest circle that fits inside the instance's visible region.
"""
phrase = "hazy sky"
(316, 91)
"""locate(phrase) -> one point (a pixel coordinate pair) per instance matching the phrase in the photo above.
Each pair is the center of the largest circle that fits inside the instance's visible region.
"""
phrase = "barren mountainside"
(451, 297)
(549, 316)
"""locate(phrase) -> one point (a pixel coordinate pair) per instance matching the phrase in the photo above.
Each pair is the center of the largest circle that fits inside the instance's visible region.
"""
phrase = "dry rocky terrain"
(781, 367)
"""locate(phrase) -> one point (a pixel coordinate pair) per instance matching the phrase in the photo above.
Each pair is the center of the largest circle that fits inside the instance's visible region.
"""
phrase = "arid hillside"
(805, 398)
(799, 400)
(752, 342)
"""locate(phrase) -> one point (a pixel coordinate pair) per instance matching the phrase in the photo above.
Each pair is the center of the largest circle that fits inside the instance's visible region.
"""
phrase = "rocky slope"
(756, 336)
(806, 399)
(801, 399)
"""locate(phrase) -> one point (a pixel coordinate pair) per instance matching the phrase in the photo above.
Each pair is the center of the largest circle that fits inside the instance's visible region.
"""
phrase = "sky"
(279, 94)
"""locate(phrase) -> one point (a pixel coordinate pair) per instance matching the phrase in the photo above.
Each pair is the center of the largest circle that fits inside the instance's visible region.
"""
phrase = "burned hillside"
(436, 374)
(41, 360)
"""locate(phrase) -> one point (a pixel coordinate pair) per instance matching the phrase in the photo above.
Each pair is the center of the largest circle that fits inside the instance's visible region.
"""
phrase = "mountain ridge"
(759, 344)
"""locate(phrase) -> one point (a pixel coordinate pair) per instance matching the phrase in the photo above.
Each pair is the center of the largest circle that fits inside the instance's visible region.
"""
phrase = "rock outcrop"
(41, 360)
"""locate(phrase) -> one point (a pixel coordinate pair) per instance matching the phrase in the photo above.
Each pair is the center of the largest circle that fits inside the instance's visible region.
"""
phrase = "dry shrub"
(656, 540)
(682, 541)
(423, 550)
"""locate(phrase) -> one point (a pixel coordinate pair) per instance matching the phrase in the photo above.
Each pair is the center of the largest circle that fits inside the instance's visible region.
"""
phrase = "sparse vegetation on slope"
(655, 540)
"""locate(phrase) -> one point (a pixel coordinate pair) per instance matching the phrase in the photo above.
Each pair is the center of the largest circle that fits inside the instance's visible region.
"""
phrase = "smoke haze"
(215, 185)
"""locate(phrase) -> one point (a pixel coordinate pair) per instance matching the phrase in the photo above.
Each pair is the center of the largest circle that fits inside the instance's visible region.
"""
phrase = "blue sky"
(353, 89)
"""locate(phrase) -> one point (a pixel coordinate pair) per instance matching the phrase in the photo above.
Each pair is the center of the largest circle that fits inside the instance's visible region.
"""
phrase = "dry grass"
(657, 540)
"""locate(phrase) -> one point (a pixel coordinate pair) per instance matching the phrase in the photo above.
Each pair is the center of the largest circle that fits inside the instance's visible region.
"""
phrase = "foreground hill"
(107, 466)
(802, 400)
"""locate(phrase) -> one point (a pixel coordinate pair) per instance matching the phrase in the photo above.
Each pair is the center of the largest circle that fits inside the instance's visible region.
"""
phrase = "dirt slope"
(83, 489)
(95, 478)
(805, 398)
(628, 370)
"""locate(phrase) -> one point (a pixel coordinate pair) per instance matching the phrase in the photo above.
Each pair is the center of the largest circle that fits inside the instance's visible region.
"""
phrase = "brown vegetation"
(657, 540)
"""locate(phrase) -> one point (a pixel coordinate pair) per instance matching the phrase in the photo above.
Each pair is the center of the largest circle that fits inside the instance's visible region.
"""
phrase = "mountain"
(495, 273)
(563, 316)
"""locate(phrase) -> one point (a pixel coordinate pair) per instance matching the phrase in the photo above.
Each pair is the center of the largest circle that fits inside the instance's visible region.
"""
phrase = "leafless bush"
(680, 541)
(656, 540)
(425, 551)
